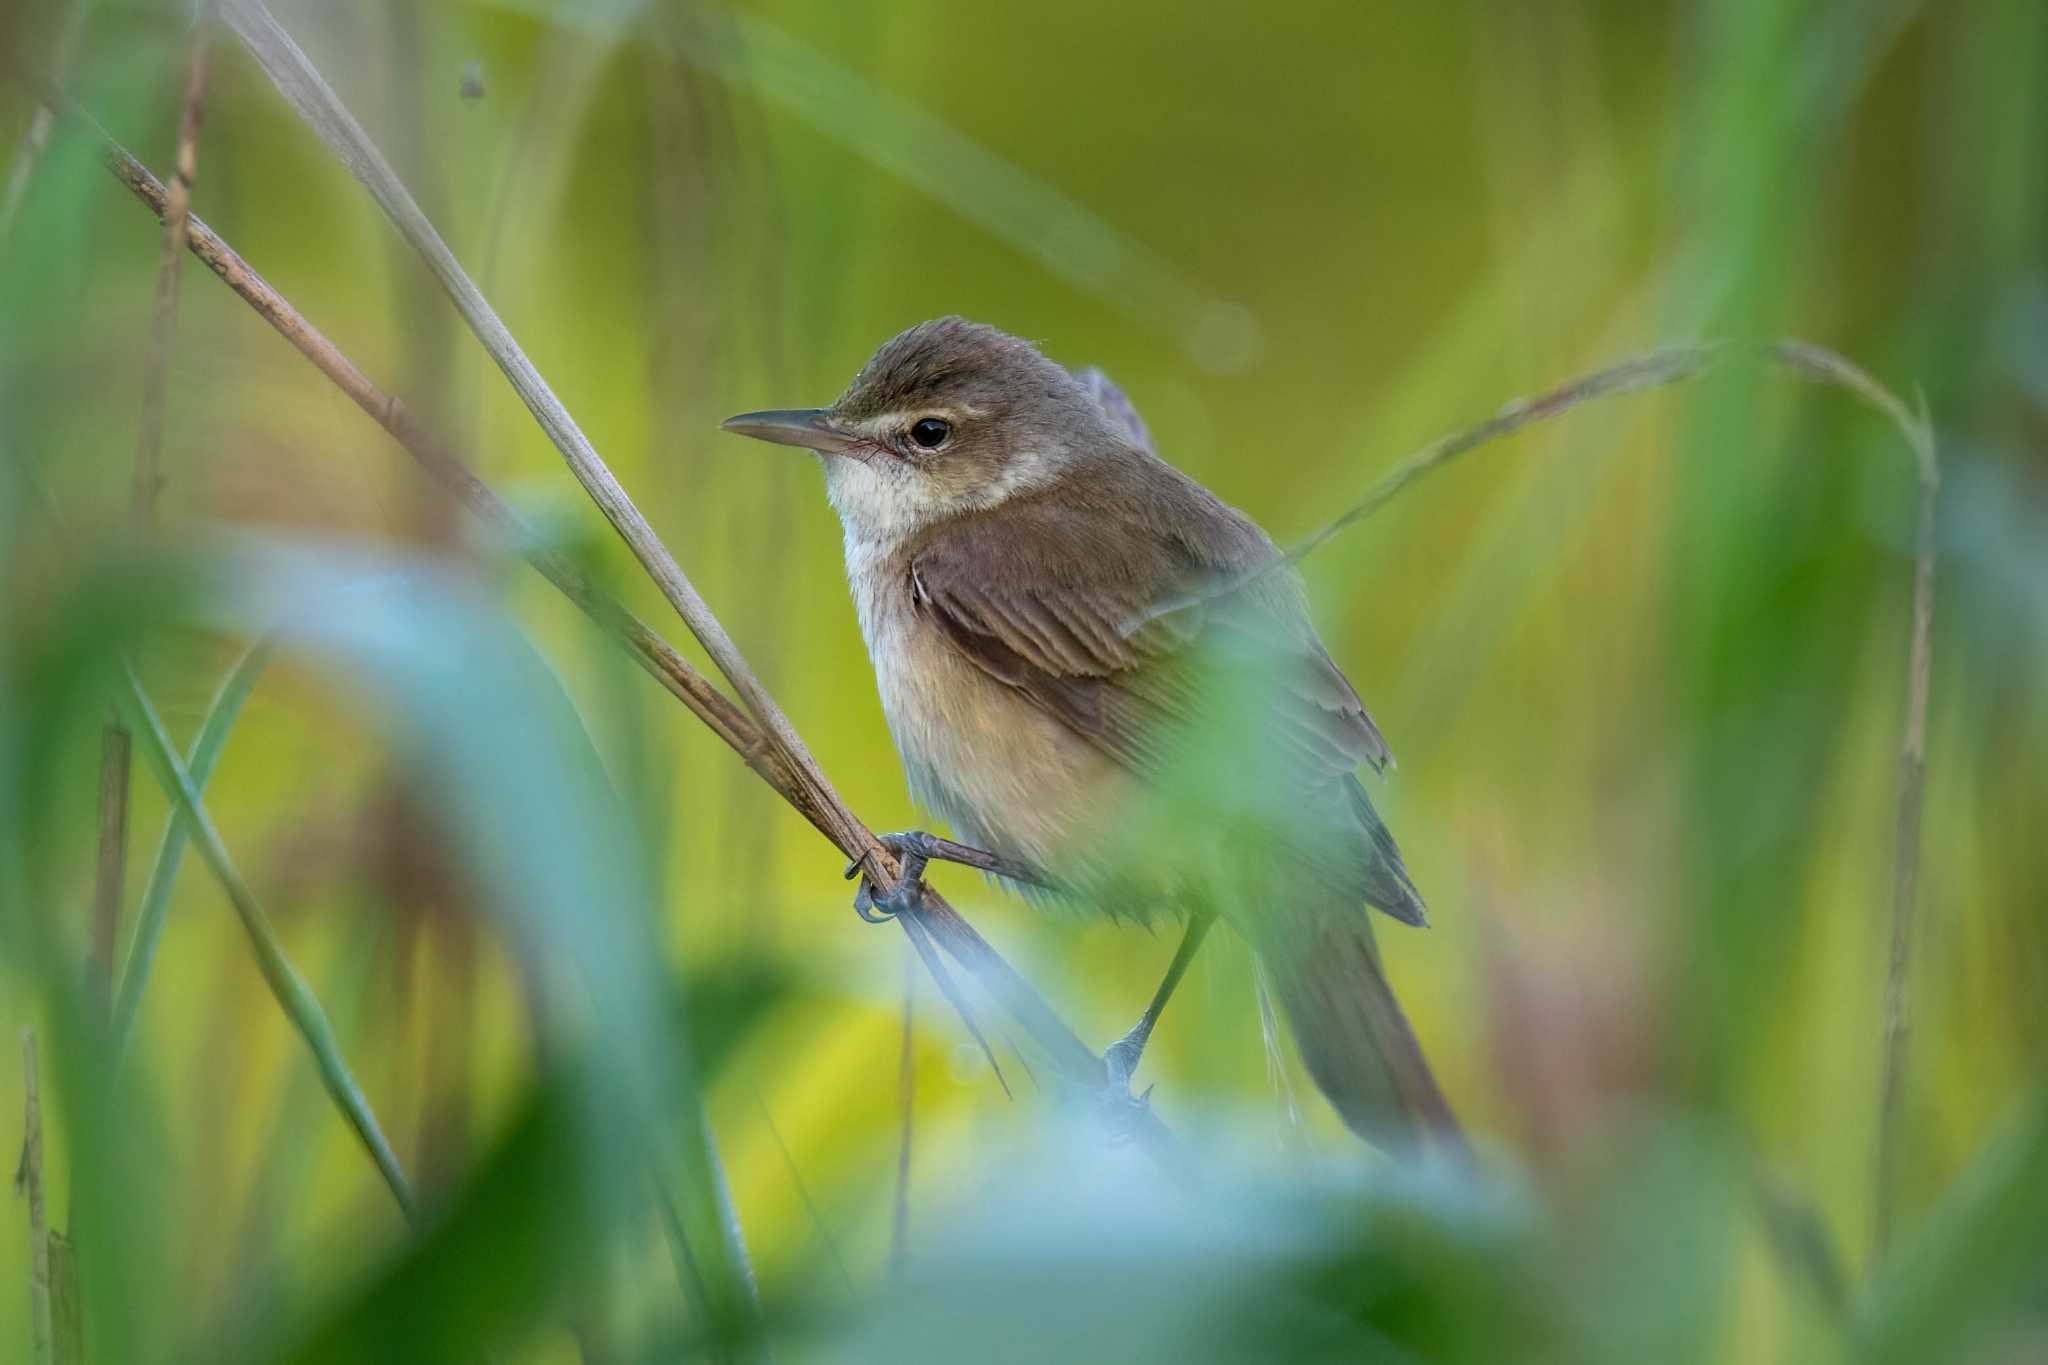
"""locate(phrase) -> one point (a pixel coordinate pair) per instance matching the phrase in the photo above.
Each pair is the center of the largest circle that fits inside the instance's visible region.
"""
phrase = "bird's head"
(948, 418)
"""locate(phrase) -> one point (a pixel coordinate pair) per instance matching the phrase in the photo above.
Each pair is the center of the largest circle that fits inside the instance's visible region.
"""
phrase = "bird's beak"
(811, 428)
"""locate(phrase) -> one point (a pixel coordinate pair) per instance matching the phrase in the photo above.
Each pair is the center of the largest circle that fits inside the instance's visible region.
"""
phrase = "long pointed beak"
(810, 428)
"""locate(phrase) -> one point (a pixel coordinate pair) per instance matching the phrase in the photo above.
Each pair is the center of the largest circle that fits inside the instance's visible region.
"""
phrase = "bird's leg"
(913, 850)
(1120, 1060)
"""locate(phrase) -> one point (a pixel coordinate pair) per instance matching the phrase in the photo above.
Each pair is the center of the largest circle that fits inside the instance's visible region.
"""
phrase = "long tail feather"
(1354, 1039)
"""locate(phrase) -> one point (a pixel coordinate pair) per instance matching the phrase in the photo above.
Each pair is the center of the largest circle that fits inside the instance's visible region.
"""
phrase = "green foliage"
(598, 990)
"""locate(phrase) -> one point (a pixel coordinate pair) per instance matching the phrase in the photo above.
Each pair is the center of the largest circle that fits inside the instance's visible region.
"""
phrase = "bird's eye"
(931, 432)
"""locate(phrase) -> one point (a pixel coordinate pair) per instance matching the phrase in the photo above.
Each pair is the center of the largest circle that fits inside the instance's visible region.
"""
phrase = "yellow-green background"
(1643, 668)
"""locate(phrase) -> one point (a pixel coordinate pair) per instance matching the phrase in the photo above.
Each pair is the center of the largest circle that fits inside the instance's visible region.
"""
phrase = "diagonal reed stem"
(764, 738)
(804, 783)
(728, 721)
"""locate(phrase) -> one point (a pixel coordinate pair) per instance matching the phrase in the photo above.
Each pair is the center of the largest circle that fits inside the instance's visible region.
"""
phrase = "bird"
(1106, 681)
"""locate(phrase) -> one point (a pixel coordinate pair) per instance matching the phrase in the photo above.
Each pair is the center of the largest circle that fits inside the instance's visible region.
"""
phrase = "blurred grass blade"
(28, 1180)
(1799, 1237)
(1826, 367)
(518, 1215)
(1637, 374)
(542, 831)
(721, 1291)
(289, 988)
(1976, 1263)
(792, 772)
(1027, 212)
(303, 87)
(28, 152)
(67, 1314)
(1077, 246)
(301, 84)
(170, 853)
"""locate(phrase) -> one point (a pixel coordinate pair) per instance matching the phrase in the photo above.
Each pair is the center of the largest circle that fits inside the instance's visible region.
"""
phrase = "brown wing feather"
(1044, 599)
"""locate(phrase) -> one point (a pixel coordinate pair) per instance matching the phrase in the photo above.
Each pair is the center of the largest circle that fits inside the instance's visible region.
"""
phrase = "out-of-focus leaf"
(1977, 1266)
(722, 1007)
(1078, 1257)
(489, 1270)
(543, 834)
(67, 1316)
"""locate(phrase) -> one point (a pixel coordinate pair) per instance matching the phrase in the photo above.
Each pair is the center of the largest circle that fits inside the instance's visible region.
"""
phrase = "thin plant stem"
(806, 785)
(148, 482)
(170, 852)
(296, 999)
(28, 153)
(906, 1100)
(770, 743)
(303, 87)
(170, 265)
(28, 1179)
(728, 721)
(1657, 369)
(1820, 365)
(803, 1193)
(110, 869)
(1826, 367)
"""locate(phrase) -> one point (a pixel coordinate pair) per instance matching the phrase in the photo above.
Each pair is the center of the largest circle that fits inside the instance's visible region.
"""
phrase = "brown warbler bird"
(1096, 672)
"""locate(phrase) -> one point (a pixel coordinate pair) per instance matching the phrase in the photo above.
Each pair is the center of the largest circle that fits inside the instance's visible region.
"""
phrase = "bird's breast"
(1005, 775)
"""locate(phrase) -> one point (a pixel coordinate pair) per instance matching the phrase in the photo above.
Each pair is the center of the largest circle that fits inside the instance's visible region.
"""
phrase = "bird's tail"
(1353, 1037)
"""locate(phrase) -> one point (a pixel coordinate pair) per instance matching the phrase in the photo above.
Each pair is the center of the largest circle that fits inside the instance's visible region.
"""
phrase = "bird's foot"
(914, 849)
(1120, 1058)
(1112, 1101)
(907, 893)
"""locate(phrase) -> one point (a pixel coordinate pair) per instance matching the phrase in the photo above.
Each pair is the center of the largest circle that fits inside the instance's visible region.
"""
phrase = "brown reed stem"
(726, 720)
(764, 738)
(110, 869)
(170, 263)
(805, 784)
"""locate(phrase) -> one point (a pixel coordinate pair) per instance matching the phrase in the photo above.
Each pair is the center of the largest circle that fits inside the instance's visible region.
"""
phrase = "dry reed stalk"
(730, 723)
(164, 315)
(765, 738)
(111, 865)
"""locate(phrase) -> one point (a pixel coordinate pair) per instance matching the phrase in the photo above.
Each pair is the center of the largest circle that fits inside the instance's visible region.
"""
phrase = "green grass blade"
(170, 851)
(290, 989)
(1974, 1267)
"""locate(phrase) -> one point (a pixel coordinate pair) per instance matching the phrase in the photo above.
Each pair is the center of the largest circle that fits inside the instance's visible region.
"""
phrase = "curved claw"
(864, 906)
(880, 908)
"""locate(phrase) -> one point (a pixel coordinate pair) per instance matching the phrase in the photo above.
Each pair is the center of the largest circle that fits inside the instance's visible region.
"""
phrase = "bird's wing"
(1040, 599)
(1096, 613)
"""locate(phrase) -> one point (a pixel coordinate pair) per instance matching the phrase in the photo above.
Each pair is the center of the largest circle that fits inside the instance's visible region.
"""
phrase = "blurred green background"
(1643, 669)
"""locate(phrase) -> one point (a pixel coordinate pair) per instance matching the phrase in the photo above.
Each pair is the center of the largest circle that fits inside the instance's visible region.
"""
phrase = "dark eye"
(931, 432)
